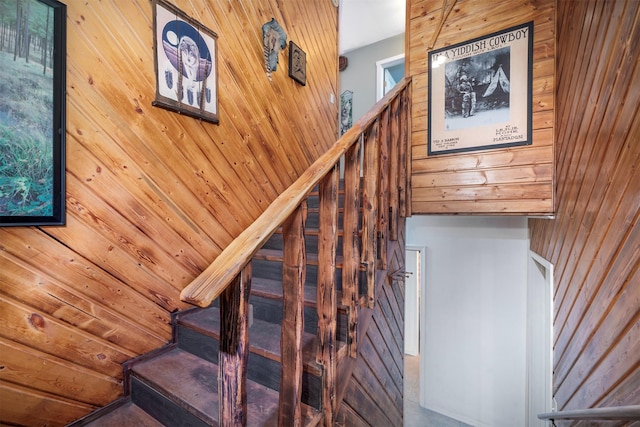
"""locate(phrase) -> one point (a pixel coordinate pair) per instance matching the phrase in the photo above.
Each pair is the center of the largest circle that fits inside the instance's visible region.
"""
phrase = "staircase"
(177, 385)
(315, 262)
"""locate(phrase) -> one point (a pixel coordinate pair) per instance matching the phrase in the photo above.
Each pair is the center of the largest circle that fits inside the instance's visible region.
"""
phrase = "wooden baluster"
(326, 291)
(234, 350)
(351, 242)
(293, 276)
(405, 152)
(383, 188)
(369, 209)
(394, 145)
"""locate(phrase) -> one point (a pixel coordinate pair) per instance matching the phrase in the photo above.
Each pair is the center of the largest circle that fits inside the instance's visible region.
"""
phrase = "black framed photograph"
(297, 64)
(185, 64)
(32, 113)
(480, 92)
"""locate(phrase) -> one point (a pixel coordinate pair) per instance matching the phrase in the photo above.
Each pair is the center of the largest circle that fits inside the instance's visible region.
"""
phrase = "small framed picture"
(185, 62)
(297, 64)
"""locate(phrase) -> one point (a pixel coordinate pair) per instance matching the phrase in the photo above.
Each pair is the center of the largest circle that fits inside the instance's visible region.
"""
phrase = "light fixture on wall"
(438, 61)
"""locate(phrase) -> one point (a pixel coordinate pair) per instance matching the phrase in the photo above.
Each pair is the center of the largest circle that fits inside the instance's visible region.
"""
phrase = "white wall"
(473, 359)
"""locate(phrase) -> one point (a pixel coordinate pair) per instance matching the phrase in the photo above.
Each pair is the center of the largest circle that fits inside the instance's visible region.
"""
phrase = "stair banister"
(373, 134)
(222, 271)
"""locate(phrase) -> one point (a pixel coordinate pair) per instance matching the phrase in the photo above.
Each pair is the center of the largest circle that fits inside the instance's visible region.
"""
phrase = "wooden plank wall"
(594, 241)
(518, 180)
(374, 393)
(152, 196)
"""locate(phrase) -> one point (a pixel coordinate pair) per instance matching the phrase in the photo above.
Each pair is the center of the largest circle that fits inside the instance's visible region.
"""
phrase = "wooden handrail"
(222, 271)
(631, 412)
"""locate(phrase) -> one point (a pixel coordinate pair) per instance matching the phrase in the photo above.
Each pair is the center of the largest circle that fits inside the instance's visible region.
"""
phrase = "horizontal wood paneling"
(28, 367)
(152, 196)
(516, 180)
(594, 242)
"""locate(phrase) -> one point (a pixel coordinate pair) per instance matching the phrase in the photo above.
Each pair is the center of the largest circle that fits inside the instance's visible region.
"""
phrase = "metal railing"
(631, 412)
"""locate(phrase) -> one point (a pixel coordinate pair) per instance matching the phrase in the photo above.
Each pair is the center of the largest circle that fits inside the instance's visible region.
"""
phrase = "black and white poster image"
(480, 93)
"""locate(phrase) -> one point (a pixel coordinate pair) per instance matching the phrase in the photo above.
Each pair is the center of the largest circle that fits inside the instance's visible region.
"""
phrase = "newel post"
(233, 355)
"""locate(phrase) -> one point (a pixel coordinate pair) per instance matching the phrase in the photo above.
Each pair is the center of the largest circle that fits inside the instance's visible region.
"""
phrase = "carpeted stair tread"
(128, 414)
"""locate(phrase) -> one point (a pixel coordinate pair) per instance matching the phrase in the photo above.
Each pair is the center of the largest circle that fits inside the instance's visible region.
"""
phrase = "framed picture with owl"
(185, 64)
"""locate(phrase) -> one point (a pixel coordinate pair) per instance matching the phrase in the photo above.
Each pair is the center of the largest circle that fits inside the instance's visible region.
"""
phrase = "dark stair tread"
(264, 337)
(128, 414)
(192, 383)
(270, 288)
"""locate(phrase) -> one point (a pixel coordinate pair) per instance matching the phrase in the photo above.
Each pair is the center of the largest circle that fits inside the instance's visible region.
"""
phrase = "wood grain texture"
(327, 304)
(293, 277)
(380, 362)
(351, 243)
(153, 197)
(382, 223)
(212, 281)
(370, 170)
(490, 174)
(594, 239)
(233, 355)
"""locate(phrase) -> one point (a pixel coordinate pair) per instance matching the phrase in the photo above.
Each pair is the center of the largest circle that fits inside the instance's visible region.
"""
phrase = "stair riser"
(310, 241)
(272, 269)
(163, 409)
(270, 310)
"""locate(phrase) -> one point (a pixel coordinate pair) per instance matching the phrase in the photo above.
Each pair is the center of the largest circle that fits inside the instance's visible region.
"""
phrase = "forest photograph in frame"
(480, 92)
(32, 113)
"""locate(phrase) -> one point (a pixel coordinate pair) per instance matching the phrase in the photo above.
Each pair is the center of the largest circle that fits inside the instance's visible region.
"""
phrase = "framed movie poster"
(185, 63)
(480, 92)
(32, 114)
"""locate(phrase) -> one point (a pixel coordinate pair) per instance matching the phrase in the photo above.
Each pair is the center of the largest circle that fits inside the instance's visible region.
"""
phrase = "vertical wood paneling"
(594, 240)
(152, 196)
(516, 180)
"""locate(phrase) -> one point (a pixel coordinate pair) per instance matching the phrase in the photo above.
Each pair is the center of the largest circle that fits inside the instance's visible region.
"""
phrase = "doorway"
(389, 71)
(539, 339)
(413, 278)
